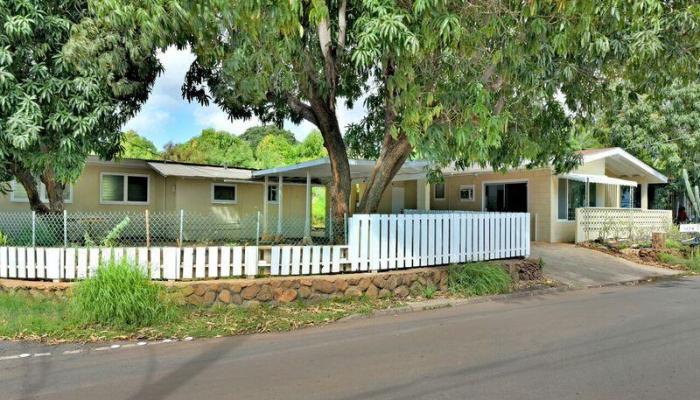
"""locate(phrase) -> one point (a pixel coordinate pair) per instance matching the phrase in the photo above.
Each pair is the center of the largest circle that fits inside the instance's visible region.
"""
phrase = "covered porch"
(608, 197)
(409, 189)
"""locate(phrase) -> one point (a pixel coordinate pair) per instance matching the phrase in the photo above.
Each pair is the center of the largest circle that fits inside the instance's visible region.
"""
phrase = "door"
(506, 197)
(397, 197)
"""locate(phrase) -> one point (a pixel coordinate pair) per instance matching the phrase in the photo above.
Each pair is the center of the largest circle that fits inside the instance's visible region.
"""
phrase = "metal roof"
(359, 170)
(199, 171)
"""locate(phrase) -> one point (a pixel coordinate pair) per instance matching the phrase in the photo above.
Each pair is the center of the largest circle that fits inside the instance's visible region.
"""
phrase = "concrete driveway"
(581, 267)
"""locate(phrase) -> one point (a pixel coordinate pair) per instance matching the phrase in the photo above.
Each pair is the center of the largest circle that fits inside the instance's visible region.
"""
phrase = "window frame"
(235, 190)
(444, 191)
(473, 196)
(42, 193)
(567, 220)
(277, 193)
(125, 177)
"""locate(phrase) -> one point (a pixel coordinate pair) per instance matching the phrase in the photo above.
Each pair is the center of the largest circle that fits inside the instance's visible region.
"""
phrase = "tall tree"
(455, 81)
(53, 112)
(256, 134)
(275, 151)
(662, 130)
(213, 147)
(136, 146)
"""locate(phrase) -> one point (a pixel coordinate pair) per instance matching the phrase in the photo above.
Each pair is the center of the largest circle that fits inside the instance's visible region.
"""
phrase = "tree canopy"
(255, 135)
(55, 112)
(136, 146)
(454, 82)
(213, 147)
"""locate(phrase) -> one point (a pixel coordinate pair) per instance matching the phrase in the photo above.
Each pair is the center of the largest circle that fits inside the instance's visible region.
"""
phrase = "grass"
(477, 279)
(120, 296)
(429, 291)
(28, 318)
(691, 264)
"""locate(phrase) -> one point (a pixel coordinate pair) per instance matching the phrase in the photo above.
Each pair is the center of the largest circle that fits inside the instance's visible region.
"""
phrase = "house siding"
(538, 192)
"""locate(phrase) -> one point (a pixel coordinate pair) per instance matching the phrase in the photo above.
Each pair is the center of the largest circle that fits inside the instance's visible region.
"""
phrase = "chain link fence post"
(257, 231)
(148, 228)
(182, 222)
(33, 228)
(65, 228)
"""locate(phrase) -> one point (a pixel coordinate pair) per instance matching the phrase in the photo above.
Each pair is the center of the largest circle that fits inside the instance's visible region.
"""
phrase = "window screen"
(137, 190)
(439, 190)
(224, 193)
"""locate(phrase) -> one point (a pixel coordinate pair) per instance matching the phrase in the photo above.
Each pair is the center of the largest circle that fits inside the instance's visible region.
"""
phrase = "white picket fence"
(381, 242)
(375, 242)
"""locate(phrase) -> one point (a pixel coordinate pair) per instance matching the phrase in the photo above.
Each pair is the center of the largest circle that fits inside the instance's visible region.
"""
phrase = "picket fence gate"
(375, 242)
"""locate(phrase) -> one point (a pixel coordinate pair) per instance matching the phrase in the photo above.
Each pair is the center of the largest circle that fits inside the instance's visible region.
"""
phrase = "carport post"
(265, 189)
(279, 204)
(307, 213)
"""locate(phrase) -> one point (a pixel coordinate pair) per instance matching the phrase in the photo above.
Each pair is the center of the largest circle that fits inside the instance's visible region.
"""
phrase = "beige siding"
(409, 192)
(538, 193)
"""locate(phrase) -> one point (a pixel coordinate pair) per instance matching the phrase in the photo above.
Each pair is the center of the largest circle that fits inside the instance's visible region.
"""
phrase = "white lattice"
(623, 223)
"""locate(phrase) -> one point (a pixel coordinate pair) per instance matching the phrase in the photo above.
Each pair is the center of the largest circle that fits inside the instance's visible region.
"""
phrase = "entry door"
(506, 197)
(397, 197)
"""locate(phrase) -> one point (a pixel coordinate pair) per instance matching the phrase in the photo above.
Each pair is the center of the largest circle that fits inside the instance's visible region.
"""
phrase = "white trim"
(125, 175)
(604, 179)
(617, 151)
(505, 181)
(459, 193)
(235, 193)
(42, 193)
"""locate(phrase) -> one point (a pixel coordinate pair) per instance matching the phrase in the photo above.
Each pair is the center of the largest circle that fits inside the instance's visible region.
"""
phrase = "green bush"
(121, 295)
(691, 263)
(477, 279)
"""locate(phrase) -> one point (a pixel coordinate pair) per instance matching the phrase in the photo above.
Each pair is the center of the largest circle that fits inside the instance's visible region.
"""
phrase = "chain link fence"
(182, 228)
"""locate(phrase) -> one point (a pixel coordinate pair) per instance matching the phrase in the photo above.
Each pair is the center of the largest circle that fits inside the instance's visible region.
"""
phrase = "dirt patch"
(645, 256)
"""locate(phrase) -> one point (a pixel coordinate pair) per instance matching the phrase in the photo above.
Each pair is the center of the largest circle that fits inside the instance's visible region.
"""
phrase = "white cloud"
(166, 111)
(214, 117)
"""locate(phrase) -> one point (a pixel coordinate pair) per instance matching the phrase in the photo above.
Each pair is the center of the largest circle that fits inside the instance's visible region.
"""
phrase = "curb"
(445, 303)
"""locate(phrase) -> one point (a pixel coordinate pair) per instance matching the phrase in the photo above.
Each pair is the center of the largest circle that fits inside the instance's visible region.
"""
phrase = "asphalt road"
(612, 343)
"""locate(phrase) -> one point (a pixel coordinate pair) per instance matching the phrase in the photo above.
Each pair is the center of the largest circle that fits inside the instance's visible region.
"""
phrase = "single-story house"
(609, 177)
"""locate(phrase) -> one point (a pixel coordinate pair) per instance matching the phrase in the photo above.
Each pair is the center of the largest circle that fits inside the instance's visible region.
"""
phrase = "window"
(440, 191)
(19, 195)
(572, 195)
(630, 197)
(505, 197)
(272, 194)
(221, 193)
(466, 193)
(124, 189)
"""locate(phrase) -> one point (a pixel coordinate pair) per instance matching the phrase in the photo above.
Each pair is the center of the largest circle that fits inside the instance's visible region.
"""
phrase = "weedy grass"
(692, 263)
(120, 295)
(52, 320)
(477, 279)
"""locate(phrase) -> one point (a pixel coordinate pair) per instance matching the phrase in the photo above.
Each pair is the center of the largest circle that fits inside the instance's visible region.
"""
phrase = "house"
(608, 180)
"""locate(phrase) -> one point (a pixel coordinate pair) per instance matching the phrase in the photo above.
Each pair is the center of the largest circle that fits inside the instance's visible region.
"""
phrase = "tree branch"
(302, 109)
(342, 23)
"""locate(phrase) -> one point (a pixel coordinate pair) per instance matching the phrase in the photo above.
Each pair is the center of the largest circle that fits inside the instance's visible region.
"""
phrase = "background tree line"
(258, 147)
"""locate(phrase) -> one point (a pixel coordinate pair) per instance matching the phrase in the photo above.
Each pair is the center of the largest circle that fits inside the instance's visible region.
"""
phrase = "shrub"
(477, 279)
(120, 295)
(429, 291)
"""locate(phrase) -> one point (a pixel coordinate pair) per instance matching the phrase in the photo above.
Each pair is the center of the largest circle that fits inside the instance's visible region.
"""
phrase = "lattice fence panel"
(594, 223)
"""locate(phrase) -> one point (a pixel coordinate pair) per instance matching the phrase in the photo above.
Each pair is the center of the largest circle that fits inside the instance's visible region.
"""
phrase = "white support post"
(265, 189)
(588, 193)
(307, 209)
(280, 191)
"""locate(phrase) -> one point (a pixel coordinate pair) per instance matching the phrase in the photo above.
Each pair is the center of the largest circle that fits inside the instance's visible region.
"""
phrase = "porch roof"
(359, 170)
(598, 179)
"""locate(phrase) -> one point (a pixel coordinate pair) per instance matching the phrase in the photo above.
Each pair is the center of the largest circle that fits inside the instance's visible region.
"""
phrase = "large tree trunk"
(341, 181)
(393, 155)
(54, 191)
(31, 186)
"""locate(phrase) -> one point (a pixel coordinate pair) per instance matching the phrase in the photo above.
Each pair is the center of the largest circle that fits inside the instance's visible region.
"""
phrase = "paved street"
(610, 343)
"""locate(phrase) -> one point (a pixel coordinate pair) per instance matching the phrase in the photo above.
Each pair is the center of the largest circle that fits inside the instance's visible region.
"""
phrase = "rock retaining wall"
(279, 290)
(399, 284)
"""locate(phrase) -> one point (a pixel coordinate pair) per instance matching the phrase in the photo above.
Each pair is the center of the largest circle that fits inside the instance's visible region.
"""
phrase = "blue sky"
(166, 116)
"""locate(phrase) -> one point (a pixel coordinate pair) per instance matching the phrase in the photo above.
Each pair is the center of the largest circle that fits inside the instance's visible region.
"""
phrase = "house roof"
(624, 164)
(200, 171)
(359, 170)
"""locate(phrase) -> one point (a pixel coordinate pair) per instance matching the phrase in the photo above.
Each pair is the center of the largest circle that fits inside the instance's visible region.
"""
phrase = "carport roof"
(359, 170)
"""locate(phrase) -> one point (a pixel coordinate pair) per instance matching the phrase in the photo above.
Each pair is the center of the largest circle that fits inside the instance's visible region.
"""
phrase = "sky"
(166, 116)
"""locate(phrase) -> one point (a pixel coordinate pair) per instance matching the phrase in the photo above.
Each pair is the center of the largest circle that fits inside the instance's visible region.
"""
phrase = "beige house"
(610, 178)
(607, 178)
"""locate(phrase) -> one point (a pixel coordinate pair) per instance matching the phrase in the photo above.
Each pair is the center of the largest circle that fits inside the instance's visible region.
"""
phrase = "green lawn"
(24, 317)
